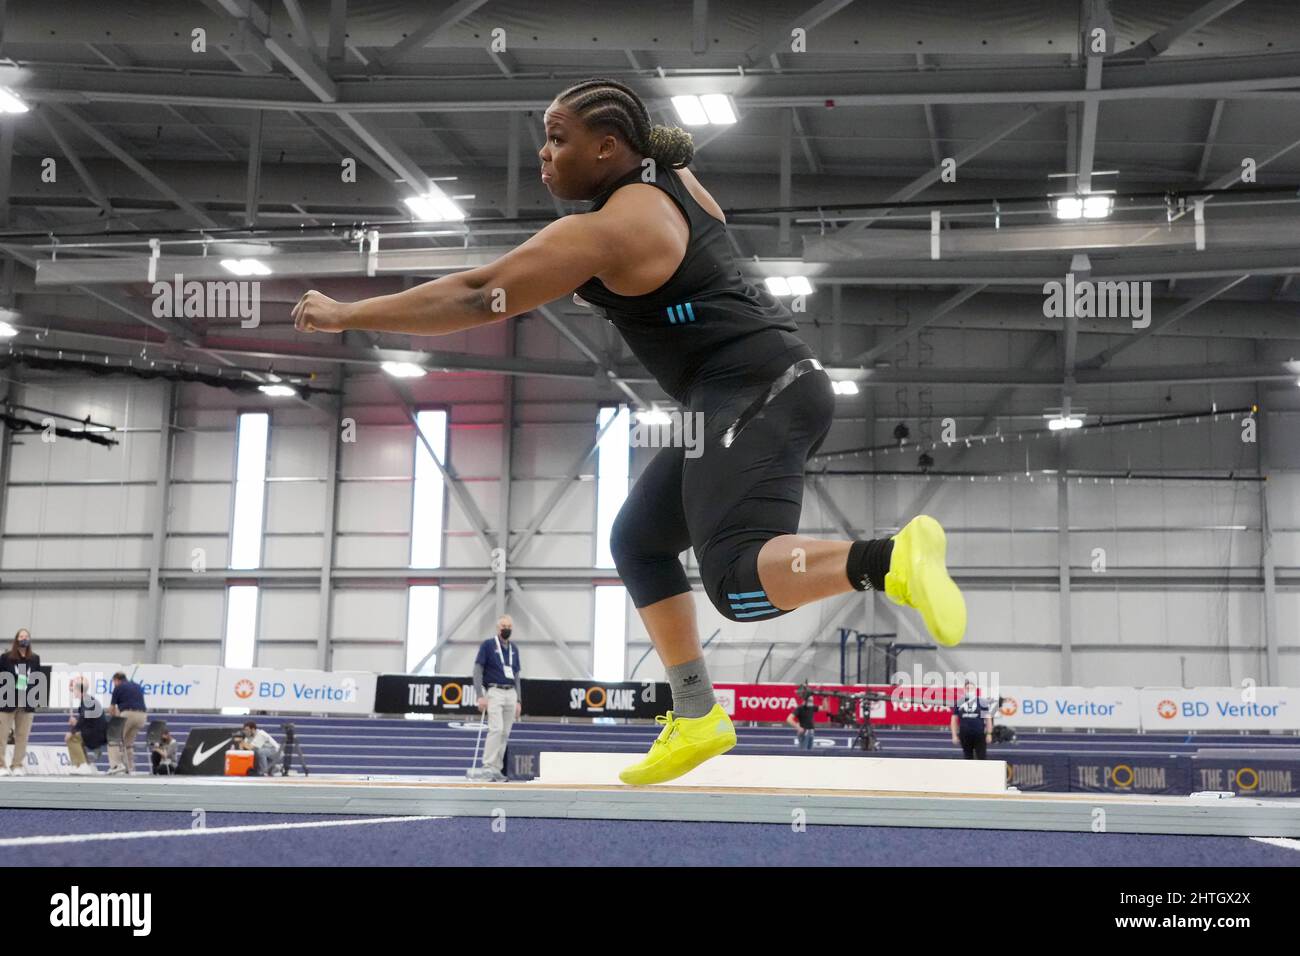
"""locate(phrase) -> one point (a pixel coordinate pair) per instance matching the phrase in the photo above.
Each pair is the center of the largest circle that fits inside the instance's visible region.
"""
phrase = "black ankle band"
(869, 563)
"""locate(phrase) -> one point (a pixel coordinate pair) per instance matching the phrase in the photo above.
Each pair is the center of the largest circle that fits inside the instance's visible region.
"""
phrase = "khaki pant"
(76, 750)
(20, 722)
(123, 754)
(500, 717)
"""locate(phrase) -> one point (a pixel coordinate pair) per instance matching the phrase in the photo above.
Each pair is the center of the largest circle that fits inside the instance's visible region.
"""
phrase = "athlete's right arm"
(551, 264)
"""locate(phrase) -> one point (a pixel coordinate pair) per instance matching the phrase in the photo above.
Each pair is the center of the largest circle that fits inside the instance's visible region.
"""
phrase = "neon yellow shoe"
(683, 744)
(918, 578)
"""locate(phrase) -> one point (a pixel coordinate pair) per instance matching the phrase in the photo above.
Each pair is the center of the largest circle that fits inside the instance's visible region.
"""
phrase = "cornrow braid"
(607, 104)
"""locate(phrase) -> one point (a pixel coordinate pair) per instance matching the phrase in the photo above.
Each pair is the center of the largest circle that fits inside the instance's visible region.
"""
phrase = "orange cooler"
(239, 762)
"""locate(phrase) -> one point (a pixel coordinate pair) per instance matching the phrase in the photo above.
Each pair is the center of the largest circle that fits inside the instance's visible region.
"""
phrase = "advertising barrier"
(170, 687)
(41, 761)
(298, 692)
(1035, 772)
(1248, 777)
(1220, 708)
(769, 702)
(562, 698)
(417, 694)
(1109, 773)
(166, 686)
(414, 694)
(1069, 707)
(205, 751)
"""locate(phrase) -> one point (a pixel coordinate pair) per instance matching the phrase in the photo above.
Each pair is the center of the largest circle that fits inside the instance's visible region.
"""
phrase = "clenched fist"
(317, 312)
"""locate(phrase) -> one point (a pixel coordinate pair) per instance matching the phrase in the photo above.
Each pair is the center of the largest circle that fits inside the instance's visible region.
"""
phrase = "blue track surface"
(530, 842)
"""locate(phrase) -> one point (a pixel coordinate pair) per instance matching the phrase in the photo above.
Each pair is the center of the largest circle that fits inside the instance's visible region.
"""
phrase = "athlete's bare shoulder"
(649, 237)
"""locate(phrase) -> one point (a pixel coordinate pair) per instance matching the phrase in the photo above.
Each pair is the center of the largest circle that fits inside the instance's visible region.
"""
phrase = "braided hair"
(609, 105)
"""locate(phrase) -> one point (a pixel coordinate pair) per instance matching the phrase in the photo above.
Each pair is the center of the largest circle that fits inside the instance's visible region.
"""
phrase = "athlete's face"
(574, 158)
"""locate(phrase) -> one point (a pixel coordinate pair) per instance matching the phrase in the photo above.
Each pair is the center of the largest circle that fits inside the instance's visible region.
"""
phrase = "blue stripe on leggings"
(771, 610)
(741, 607)
(747, 594)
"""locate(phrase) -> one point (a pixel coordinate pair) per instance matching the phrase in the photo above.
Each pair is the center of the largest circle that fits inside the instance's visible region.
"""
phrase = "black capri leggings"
(724, 502)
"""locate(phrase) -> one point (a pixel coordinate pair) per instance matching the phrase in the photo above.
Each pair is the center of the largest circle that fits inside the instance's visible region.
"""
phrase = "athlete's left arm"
(551, 264)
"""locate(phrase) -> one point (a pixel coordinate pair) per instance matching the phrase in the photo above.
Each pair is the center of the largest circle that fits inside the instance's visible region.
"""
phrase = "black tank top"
(707, 320)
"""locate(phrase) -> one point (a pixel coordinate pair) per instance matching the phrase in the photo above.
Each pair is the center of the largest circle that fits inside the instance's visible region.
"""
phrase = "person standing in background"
(127, 703)
(18, 681)
(972, 724)
(802, 719)
(496, 683)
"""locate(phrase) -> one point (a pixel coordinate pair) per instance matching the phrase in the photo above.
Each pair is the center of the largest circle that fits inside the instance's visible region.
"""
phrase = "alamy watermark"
(674, 429)
(222, 299)
(1086, 299)
(929, 689)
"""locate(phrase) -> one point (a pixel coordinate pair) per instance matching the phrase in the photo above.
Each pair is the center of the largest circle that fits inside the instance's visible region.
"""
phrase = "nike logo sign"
(201, 755)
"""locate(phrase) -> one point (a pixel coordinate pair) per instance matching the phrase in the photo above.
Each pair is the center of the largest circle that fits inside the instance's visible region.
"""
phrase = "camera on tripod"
(851, 712)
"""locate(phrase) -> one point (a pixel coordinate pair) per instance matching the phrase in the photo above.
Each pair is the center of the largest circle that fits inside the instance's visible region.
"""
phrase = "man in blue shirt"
(972, 724)
(127, 703)
(496, 683)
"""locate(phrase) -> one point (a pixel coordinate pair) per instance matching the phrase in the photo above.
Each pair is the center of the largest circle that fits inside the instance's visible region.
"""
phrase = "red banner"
(907, 706)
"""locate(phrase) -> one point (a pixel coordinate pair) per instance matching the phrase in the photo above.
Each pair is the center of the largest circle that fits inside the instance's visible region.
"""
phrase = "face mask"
(505, 633)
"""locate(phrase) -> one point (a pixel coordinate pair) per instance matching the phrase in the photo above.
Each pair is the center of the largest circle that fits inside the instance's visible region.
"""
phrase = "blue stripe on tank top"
(670, 316)
(690, 312)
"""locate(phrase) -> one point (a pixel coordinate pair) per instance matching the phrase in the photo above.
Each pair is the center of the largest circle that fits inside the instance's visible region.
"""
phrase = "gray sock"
(692, 689)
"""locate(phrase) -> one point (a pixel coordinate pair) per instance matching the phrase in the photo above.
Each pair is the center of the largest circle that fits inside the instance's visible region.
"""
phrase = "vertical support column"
(507, 446)
(837, 327)
(254, 169)
(161, 506)
(1063, 567)
(6, 453)
(787, 133)
(8, 297)
(325, 611)
(6, 166)
(512, 166)
(869, 603)
(1272, 664)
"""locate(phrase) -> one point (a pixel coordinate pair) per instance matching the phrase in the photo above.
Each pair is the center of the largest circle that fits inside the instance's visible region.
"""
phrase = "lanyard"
(504, 663)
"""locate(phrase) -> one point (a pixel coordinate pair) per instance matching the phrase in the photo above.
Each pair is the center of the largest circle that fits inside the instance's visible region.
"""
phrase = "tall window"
(241, 625)
(609, 617)
(250, 490)
(609, 640)
(612, 456)
(251, 435)
(421, 628)
(427, 506)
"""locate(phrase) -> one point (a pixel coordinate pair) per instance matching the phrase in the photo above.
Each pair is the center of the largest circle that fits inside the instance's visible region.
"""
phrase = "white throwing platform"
(876, 774)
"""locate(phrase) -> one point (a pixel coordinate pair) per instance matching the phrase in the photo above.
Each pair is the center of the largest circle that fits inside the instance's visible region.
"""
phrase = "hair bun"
(670, 145)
